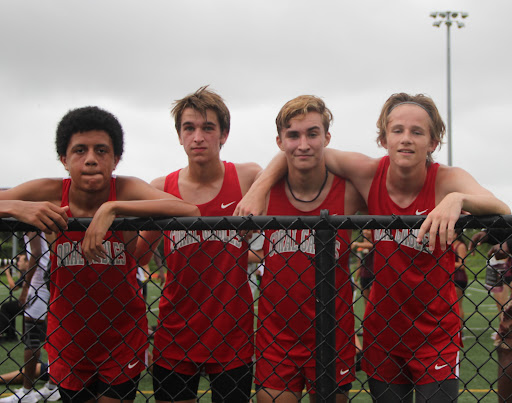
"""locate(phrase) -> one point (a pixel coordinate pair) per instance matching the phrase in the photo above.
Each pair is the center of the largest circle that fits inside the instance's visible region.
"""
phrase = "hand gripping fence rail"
(481, 374)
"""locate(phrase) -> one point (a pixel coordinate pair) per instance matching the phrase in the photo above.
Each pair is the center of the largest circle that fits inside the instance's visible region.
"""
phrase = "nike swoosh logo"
(130, 366)
(223, 206)
(421, 212)
(344, 372)
(437, 367)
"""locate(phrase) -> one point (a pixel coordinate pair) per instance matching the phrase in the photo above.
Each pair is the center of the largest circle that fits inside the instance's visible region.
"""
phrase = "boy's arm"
(33, 263)
(137, 199)
(10, 280)
(35, 203)
(254, 201)
(358, 168)
(456, 192)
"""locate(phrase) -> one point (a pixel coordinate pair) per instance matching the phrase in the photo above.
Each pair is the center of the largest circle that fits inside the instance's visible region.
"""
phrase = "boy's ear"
(223, 137)
(433, 145)
(327, 139)
(279, 142)
(63, 160)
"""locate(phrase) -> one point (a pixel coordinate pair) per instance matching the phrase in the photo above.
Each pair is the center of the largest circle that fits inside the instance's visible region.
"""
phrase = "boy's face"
(304, 141)
(23, 263)
(408, 139)
(201, 137)
(90, 160)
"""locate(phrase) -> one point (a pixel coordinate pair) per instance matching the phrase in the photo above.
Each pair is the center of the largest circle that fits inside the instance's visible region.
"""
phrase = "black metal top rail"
(271, 222)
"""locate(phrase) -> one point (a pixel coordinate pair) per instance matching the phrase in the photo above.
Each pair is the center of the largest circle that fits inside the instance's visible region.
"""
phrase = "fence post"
(325, 292)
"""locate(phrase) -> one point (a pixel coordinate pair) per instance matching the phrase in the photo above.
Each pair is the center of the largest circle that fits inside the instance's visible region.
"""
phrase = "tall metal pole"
(449, 18)
(449, 89)
(325, 321)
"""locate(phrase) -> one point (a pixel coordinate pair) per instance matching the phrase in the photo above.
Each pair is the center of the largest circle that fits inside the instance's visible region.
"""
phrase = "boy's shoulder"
(44, 189)
(247, 174)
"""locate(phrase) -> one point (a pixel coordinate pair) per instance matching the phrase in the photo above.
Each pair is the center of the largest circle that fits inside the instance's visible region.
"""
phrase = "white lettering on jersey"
(291, 241)
(180, 239)
(404, 237)
(70, 254)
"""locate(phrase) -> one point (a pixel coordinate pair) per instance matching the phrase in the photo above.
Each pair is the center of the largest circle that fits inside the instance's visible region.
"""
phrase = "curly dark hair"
(85, 119)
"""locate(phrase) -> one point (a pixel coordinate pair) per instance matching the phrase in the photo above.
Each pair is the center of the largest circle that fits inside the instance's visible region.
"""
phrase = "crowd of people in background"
(95, 318)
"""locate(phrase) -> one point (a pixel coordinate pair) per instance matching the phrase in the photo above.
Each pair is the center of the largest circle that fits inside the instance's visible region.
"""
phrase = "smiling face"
(201, 136)
(408, 139)
(303, 141)
(90, 160)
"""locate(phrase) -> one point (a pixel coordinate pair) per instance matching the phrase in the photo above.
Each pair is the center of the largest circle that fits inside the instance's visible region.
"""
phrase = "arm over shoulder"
(356, 167)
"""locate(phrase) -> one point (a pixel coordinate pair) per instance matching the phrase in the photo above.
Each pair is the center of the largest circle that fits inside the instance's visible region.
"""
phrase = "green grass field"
(478, 358)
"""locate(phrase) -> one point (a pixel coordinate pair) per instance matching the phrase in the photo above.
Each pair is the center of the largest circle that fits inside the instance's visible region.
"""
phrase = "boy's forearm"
(483, 204)
(267, 178)
(148, 208)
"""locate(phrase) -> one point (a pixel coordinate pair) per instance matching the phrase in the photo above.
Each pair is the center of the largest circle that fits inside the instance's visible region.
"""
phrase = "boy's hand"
(442, 221)
(45, 216)
(92, 245)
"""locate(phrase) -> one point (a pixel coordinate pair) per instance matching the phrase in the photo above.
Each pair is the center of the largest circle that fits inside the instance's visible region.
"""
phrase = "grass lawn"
(478, 358)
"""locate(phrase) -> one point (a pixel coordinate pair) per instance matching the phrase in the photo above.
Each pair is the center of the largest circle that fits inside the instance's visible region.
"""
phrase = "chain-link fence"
(300, 307)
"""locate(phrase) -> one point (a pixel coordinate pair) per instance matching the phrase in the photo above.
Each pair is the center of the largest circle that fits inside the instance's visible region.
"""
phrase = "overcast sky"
(134, 58)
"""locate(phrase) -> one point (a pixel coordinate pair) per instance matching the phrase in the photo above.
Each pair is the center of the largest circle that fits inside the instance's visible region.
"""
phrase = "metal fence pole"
(325, 292)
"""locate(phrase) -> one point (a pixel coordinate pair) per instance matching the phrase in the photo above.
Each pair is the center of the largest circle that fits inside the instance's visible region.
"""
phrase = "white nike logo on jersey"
(437, 367)
(130, 366)
(344, 372)
(223, 206)
(421, 212)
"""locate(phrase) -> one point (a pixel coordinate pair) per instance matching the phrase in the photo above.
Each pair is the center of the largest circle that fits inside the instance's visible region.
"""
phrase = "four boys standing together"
(97, 344)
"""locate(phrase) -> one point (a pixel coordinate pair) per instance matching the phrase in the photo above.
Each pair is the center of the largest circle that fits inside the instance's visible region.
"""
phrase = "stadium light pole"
(449, 18)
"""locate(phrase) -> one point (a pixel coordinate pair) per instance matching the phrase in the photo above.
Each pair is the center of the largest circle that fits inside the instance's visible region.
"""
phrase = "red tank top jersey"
(97, 316)
(286, 307)
(206, 307)
(413, 305)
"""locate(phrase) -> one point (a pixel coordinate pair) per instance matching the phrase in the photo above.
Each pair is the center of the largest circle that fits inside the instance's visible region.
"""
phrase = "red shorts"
(279, 376)
(192, 368)
(110, 372)
(390, 368)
